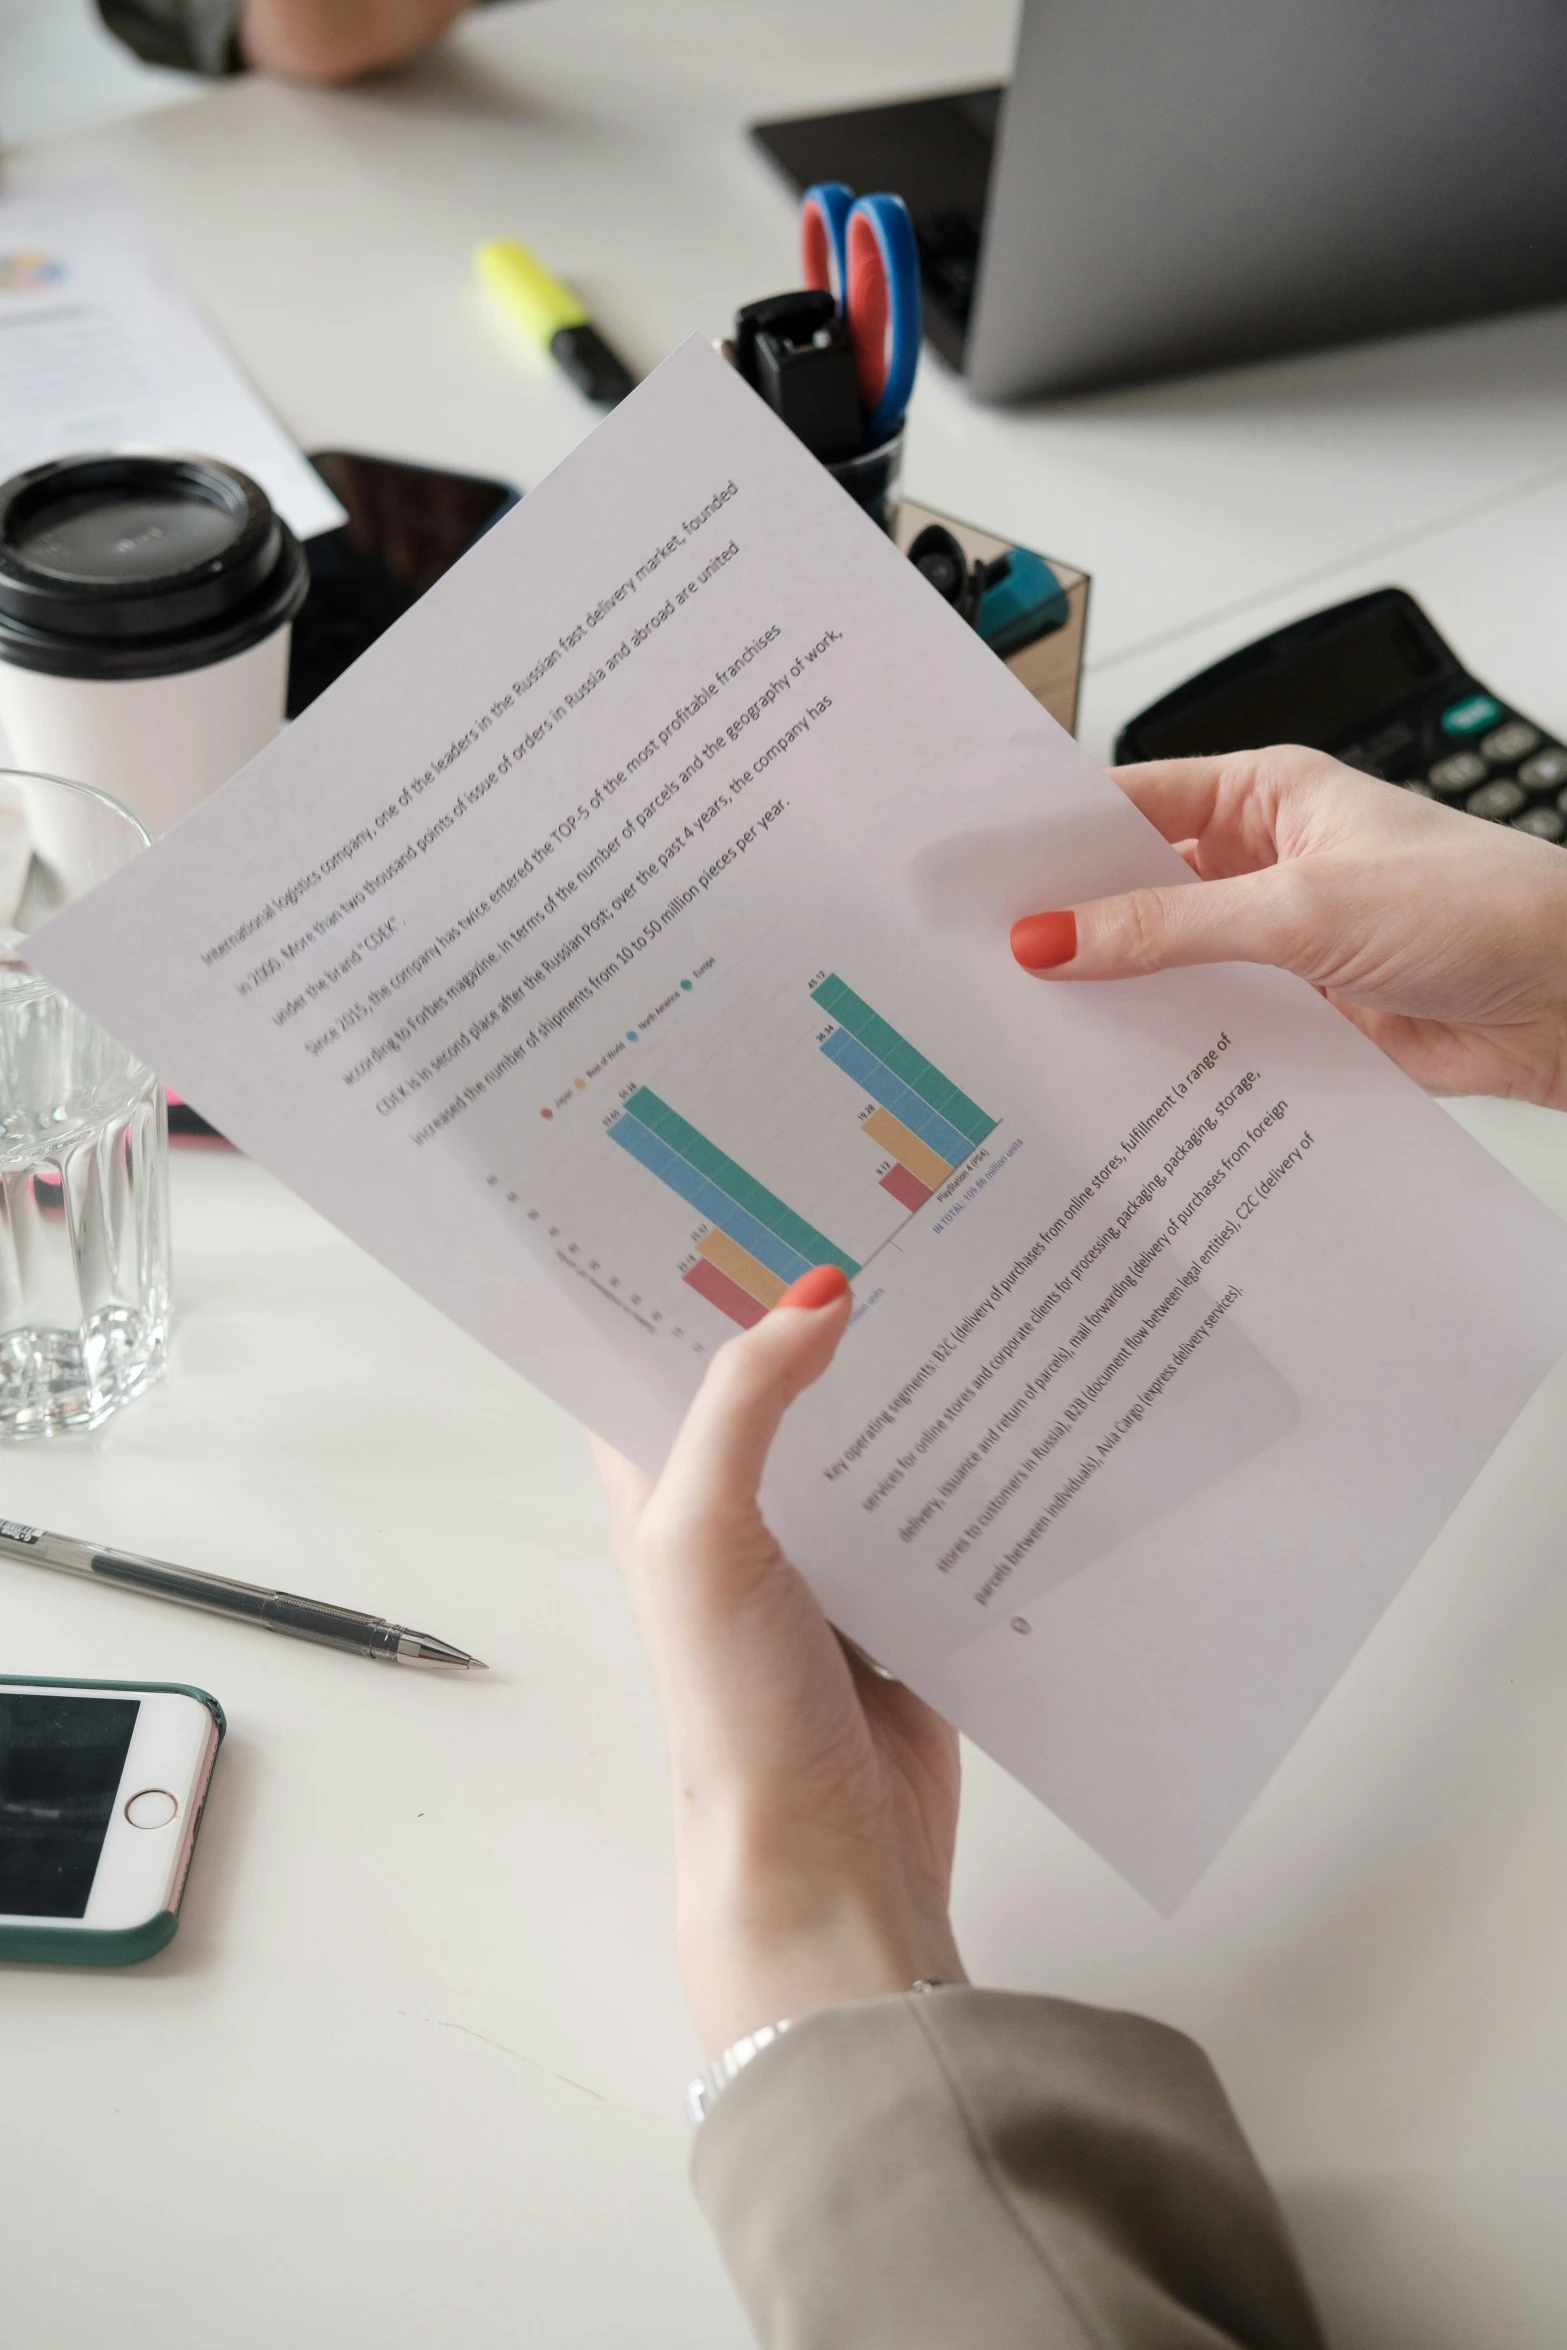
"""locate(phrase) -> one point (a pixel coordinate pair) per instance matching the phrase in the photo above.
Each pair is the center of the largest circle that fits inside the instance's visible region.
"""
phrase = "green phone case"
(44, 1945)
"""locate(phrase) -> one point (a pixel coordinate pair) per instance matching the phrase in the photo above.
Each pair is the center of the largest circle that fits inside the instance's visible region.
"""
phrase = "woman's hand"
(1442, 938)
(815, 1803)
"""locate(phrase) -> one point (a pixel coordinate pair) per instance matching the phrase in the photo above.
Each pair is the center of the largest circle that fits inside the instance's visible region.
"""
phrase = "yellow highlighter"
(551, 316)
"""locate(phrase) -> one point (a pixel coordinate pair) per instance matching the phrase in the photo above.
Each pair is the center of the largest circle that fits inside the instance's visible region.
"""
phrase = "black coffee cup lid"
(128, 566)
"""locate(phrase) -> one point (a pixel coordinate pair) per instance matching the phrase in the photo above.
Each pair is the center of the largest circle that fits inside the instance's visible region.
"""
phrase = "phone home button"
(154, 1807)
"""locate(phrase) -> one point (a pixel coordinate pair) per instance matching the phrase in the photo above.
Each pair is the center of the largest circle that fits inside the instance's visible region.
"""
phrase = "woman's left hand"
(815, 1803)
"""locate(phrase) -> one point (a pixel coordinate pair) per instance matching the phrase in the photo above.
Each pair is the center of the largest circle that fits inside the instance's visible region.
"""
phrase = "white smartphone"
(101, 1792)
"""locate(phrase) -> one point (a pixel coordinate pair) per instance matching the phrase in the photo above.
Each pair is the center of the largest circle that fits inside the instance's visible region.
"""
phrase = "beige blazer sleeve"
(974, 2170)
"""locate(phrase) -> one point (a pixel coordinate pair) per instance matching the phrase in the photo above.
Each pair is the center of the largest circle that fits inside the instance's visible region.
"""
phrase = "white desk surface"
(410, 2076)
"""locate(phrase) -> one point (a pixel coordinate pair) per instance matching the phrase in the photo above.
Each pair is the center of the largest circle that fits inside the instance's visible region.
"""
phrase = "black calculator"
(1375, 683)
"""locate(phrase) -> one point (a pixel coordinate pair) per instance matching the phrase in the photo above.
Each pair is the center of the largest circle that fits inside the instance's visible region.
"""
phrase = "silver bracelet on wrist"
(703, 2092)
(717, 2076)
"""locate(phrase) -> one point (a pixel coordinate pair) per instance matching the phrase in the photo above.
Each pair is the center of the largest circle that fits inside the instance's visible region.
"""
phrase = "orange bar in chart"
(924, 1164)
(741, 1266)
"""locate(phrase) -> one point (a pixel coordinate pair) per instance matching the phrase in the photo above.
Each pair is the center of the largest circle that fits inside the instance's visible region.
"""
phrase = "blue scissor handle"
(824, 223)
(882, 304)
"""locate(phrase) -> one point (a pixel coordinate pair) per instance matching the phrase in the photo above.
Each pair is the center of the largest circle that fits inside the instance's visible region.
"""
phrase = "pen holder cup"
(874, 479)
(84, 1255)
(1031, 610)
(1035, 617)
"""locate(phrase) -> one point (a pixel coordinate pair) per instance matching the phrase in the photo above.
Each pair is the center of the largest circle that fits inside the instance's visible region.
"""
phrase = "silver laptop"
(1169, 185)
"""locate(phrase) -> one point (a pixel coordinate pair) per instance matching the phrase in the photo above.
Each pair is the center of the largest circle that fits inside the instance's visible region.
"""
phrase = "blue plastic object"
(824, 236)
(1027, 602)
(883, 309)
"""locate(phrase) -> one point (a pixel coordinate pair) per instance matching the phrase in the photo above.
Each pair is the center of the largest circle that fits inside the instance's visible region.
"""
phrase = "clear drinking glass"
(84, 1221)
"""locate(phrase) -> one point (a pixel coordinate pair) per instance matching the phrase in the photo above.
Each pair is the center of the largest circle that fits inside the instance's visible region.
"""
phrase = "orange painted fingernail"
(818, 1287)
(1041, 941)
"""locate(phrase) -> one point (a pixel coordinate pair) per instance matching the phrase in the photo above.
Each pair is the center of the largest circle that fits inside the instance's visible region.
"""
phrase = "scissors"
(863, 253)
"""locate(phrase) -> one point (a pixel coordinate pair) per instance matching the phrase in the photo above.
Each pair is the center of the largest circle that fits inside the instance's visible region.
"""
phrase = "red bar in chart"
(905, 1188)
(727, 1295)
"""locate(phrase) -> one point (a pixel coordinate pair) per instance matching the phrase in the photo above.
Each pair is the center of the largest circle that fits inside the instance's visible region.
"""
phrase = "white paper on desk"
(1147, 1413)
(100, 349)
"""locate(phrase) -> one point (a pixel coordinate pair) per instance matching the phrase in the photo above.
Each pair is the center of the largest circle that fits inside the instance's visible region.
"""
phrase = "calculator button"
(1497, 801)
(1544, 823)
(1545, 770)
(1387, 743)
(1459, 773)
(1471, 716)
(1513, 741)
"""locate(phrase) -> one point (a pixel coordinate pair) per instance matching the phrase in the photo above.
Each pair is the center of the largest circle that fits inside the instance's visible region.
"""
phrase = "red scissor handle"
(868, 302)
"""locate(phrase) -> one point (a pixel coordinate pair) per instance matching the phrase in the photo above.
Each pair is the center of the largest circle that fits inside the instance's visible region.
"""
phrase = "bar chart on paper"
(777, 1190)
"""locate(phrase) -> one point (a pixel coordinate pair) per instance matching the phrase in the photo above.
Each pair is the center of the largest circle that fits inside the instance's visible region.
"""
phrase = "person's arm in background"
(950, 2170)
(304, 40)
(336, 40)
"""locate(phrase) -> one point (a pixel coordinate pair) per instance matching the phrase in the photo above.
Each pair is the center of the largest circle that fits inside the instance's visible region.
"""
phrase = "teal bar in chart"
(904, 1063)
(874, 1077)
(710, 1181)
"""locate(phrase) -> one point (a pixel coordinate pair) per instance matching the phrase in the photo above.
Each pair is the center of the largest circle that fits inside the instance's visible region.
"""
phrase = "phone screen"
(61, 1757)
(407, 524)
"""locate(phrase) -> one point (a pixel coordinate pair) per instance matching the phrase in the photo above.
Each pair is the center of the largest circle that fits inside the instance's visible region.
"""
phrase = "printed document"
(627, 932)
(100, 349)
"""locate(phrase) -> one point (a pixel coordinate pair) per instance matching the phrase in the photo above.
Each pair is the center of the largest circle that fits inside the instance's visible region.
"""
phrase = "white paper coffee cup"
(145, 613)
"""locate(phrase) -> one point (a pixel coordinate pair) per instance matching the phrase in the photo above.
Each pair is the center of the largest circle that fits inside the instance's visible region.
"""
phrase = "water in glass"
(84, 1250)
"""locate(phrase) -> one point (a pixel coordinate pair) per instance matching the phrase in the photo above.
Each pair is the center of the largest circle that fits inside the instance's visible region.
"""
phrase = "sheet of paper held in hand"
(628, 932)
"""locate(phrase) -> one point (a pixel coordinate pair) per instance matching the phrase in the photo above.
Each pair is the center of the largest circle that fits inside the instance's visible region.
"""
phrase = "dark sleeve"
(975, 2170)
(197, 36)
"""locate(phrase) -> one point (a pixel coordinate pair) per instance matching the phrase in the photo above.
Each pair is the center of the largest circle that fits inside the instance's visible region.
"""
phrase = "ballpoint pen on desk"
(552, 316)
(274, 1611)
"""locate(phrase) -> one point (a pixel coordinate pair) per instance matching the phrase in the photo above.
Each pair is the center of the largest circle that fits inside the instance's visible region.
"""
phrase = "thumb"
(1250, 918)
(718, 1457)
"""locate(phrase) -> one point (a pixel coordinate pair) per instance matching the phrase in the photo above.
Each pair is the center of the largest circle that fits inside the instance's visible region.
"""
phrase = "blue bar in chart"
(904, 1060)
(692, 1145)
(707, 1199)
(859, 1062)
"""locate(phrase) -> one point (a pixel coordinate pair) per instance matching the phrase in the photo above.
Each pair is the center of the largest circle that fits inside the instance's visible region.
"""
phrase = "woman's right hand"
(1442, 938)
(815, 1802)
